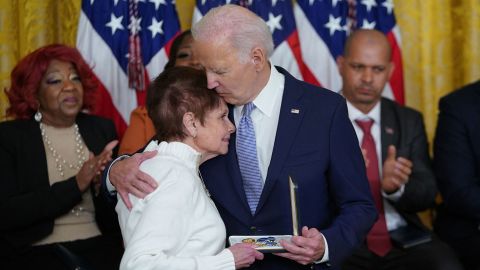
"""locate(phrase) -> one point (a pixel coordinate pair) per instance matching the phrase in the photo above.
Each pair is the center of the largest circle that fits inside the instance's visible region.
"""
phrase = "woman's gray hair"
(241, 27)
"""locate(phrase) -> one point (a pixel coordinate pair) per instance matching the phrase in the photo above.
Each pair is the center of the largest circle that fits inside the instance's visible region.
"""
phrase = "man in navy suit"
(405, 180)
(457, 167)
(300, 130)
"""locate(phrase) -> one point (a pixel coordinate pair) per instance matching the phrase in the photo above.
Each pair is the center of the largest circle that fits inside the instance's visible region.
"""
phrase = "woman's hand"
(244, 255)
(94, 166)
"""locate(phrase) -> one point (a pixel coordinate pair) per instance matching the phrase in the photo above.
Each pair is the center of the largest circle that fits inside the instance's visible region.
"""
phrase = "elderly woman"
(178, 226)
(141, 128)
(50, 157)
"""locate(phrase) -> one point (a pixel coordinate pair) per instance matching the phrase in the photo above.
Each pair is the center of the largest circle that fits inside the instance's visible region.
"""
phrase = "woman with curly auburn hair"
(30, 70)
(50, 157)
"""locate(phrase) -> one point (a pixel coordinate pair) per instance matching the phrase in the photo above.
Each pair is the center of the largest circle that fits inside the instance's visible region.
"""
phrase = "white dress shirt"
(393, 218)
(265, 118)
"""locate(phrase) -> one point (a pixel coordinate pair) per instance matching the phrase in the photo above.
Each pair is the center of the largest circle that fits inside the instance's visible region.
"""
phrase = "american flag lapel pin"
(295, 111)
(389, 130)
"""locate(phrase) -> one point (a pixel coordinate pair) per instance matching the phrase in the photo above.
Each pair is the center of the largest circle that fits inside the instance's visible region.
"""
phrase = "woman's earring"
(38, 116)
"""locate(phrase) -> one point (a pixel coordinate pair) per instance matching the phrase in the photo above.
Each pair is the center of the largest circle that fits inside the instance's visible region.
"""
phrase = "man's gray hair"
(241, 27)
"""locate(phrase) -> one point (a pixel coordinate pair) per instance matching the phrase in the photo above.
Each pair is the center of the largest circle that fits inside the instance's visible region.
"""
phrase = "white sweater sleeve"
(162, 228)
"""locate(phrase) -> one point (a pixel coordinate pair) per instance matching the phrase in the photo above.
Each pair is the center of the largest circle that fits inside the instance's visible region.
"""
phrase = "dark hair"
(29, 71)
(172, 56)
(173, 93)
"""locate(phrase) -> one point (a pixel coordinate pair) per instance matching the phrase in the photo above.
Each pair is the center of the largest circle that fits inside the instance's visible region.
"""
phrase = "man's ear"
(259, 58)
(189, 124)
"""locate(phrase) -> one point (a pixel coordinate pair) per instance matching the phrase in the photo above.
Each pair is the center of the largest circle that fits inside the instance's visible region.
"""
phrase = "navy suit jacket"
(319, 149)
(457, 164)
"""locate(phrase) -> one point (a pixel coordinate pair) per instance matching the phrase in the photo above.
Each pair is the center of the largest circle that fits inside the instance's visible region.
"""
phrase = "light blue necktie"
(247, 158)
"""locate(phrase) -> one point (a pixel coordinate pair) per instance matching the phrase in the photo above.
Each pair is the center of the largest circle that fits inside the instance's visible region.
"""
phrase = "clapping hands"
(92, 168)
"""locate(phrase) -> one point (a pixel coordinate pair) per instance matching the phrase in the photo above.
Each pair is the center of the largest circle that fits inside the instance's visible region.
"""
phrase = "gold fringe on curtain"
(441, 50)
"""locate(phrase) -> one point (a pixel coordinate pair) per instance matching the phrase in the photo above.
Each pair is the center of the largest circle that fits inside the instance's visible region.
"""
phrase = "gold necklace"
(60, 162)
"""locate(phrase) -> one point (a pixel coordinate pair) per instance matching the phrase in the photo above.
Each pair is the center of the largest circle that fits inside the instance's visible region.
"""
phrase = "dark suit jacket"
(28, 204)
(457, 164)
(319, 149)
(403, 127)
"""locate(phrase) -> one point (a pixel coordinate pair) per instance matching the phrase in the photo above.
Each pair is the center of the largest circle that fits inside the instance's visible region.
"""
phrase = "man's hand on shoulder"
(127, 177)
(305, 249)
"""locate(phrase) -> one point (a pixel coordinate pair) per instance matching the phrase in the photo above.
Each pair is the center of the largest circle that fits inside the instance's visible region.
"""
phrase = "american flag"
(324, 26)
(320, 28)
(127, 44)
(279, 17)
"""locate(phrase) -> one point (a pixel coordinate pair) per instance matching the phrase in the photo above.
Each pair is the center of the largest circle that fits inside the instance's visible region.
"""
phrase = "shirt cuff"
(395, 196)
(110, 188)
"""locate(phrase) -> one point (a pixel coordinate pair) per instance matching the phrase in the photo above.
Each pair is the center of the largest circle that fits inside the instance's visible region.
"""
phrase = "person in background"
(141, 129)
(285, 127)
(394, 145)
(457, 167)
(178, 226)
(51, 156)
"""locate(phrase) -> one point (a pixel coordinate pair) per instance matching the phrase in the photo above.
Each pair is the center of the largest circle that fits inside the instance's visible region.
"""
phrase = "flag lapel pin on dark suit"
(389, 130)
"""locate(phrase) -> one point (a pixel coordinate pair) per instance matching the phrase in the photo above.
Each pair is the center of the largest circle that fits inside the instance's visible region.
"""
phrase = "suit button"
(253, 229)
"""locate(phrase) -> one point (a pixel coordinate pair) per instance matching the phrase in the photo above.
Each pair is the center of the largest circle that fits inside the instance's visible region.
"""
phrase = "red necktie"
(378, 239)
